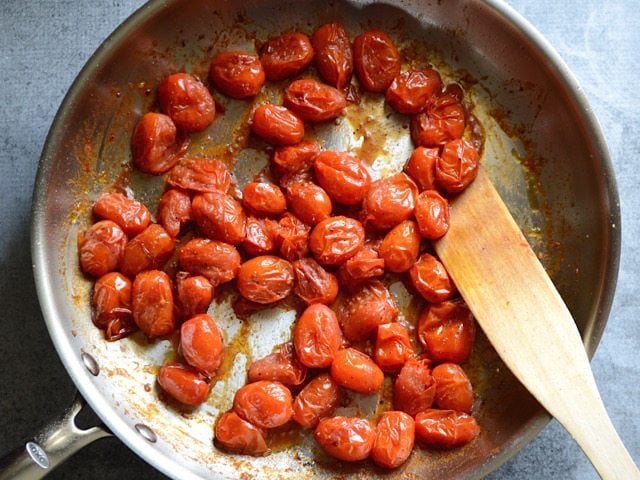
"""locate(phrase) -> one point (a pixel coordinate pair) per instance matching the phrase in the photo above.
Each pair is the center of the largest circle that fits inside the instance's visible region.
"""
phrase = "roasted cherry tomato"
(445, 428)
(421, 167)
(154, 144)
(119, 328)
(237, 74)
(354, 370)
(282, 366)
(277, 125)
(364, 265)
(217, 261)
(152, 303)
(368, 306)
(193, 294)
(429, 277)
(313, 283)
(183, 383)
(447, 331)
(265, 404)
(309, 202)
(393, 346)
(286, 55)
(317, 336)
(200, 175)
(295, 158)
(389, 201)
(201, 344)
(336, 239)
(261, 235)
(349, 439)
(432, 214)
(111, 299)
(343, 176)
(395, 435)
(410, 92)
(187, 101)
(219, 217)
(400, 247)
(149, 250)
(377, 60)
(414, 388)
(264, 198)
(317, 400)
(265, 279)
(101, 247)
(453, 388)
(313, 101)
(334, 57)
(293, 238)
(174, 211)
(443, 121)
(457, 167)
(130, 215)
(239, 436)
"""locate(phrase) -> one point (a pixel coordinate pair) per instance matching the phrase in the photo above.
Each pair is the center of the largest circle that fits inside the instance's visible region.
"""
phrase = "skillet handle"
(56, 442)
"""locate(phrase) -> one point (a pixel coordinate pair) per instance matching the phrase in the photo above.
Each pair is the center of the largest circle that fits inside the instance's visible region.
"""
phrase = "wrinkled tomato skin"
(111, 299)
(395, 436)
(313, 101)
(286, 55)
(453, 388)
(389, 201)
(187, 101)
(239, 436)
(101, 247)
(193, 294)
(200, 175)
(217, 261)
(364, 265)
(152, 303)
(410, 92)
(317, 336)
(447, 331)
(282, 366)
(313, 283)
(119, 328)
(349, 439)
(237, 74)
(260, 235)
(201, 344)
(414, 389)
(432, 214)
(264, 198)
(421, 167)
(309, 202)
(354, 370)
(277, 125)
(149, 250)
(317, 400)
(445, 428)
(265, 279)
(457, 167)
(343, 176)
(393, 347)
(154, 145)
(429, 277)
(295, 158)
(219, 217)
(174, 211)
(336, 239)
(130, 215)
(334, 56)
(293, 238)
(183, 383)
(376, 59)
(400, 247)
(443, 121)
(264, 404)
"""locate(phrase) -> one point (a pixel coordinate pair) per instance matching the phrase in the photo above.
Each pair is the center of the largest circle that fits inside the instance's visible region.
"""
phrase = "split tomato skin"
(239, 436)
(282, 366)
(187, 101)
(432, 214)
(101, 248)
(414, 389)
(111, 299)
(393, 347)
(376, 60)
(447, 331)
(400, 247)
(314, 102)
(317, 400)
(217, 261)
(130, 215)
(237, 74)
(149, 250)
(334, 55)
(453, 388)
(445, 429)
(264, 404)
(265, 279)
(411, 92)
(174, 211)
(313, 284)
(183, 383)
(421, 167)
(349, 439)
(431, 280)
(336, 239)
(277, 125)
(286, 55)
(317, 336)
(343, 176)
(154, 145)
(395, 436)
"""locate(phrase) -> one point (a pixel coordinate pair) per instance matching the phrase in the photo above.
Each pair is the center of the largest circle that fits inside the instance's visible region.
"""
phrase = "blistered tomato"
(457, 167)
(336, 239)
(429, 277)
(421, 167)
(348, 439)
(277, 125)
(317, 336)
(187, 101)
(183, 383)
(194, 294)
(200, 175)
(317, 400)
(343, 176)
(313, 283)
(295, 158)
(282, 366)
(152, 303)
(445, 428)
(174, 211)
(395, 435)
(130, 215)
(264, 198)
(265, 404)
(219, 217)
(334, 57)
(237, 74)
(100, 248)
(443, 121)
(149, 250)
(261, 235)
(393, 346)
(389, 201)
(217, 261)
(364, 265)
(432, 214)
(354, 370)
(293, 238)
(453, 388)
(286, 55)
(239, 436)
(201, 343)
(377, 60)
(265, 279)
(111, 299)
(400, 247)
(313, 101)
(309, 202)
(154, 145)
(414, 389)
(410, 92)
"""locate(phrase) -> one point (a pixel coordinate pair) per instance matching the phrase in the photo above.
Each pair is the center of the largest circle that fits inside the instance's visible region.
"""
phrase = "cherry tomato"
(277, 125)
(334, 57)
(414, 388)
(101, 247)
(389, 201)
(194, 294)
(217, 261)
(149, 250)
(237, 74)
(393, 347)
(120, 327)
(265, 279)
(313, 101)
(457, 167)
(183, 383)
(360, 312)
(286, 55)
(154, 145)
(348, 439)
(187, 101)
(295, 158)
(132, 216)
(201, 344)
(282, 366)
(443, 121)
(343, 176)
(354, 370)
(174, 211)
(239, 436)
(410, 92)
(219, 217)
(453, 388)
(152, 303)
(395, 435)
(400, 247)
(314, 284)
(265, 404)
(445, 428)
(111, 299)
(293, 238)
(364, 265)
(264, 198)
(432, 214)
(429, 277)
(261, 235)
(317, 336)
(309, 202)
(377, 60)
(334, 240)
(200, 175)
(421, 167)
(317, 400)
(447, 331)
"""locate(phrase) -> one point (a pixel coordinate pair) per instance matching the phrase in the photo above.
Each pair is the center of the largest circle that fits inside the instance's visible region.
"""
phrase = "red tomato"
(432, 214)
(132, 216)
(118, 328)
(393, 347)
(400, 247)
(200, 175)
(293, 238)
(313, 101)
(100, 248)
(154, 145)
(152, 303)
(314, 284)
(239, 436)
(149, 250)
(217, 261)
(389, 201)
(295, 158)
(219, 217)
(194, 294)
(336, 239)
(377, 60)
(445, 428)
(343, 176)
(187, 101)
(265, 279)
(395, 435)
(429, 277)
(286, 56)
(457, 167)
(354, 370)
(443, 121)
(282, 366)
(334, 57)
(277, 125)
(414, 388)
(265, 404)
(453, 388)
(183, 383)
(264, 198)
(348, 439)
(410, 92)
(201, 344)
(317, 400)
(317, 336)
(364, 265)
(261, 235)
(237, 74)
(174, 211)
(421, 167)
(447, 331)
(309, 202)
(111, 299)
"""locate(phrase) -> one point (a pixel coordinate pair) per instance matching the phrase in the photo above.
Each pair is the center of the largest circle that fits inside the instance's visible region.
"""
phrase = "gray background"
(43, 45)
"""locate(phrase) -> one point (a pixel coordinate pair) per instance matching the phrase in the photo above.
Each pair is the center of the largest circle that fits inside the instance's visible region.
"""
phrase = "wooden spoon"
(526, 321)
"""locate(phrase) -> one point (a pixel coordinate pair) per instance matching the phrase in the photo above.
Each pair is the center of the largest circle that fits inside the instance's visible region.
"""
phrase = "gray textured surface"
(43, 45)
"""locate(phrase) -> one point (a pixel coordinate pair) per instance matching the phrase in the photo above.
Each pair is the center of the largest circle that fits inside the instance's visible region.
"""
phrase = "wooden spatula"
(526, 321)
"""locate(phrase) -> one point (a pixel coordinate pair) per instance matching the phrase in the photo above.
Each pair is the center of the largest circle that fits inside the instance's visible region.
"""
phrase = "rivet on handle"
(146, 432)
(90, 363)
